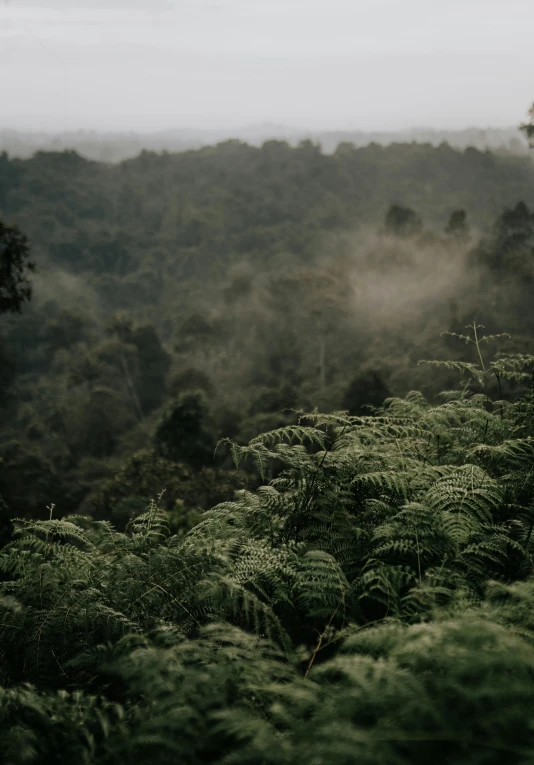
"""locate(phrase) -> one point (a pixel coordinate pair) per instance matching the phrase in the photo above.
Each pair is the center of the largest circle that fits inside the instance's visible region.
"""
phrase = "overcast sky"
(369, 64)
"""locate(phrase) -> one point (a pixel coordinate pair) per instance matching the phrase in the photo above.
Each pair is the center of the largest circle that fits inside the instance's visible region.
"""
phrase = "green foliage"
(15, 263)
(16, 460)
(367, 390)
(183, 434)
(371, 603)
(528, 127)
(259, 270)
(402, 222)
(147, 473)
(360, 587)
(457, 226)
(514, 240)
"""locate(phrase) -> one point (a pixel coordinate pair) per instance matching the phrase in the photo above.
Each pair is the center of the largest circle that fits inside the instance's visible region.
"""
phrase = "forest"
(117, 146)
(267, 456)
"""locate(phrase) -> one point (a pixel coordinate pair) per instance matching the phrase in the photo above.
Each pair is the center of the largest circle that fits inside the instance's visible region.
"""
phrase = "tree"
(15, 289)
(528, 127)
(28, 480)
(154, 363)
(142, 359)
(7, 371)
(402, 221)
(316, 299)
(457, 226)
(514, 239)
(184, 433)
(196, 333)
(367, 390)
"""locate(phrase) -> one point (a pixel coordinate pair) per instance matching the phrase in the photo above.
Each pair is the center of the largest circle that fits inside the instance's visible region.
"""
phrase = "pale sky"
(368, 64)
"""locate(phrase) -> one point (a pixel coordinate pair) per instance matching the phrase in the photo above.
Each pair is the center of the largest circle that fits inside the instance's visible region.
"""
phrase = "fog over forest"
(266, 382)
(116, 146)
(259, 280)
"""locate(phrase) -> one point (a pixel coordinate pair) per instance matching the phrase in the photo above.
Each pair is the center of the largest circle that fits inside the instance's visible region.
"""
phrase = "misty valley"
(267, 455)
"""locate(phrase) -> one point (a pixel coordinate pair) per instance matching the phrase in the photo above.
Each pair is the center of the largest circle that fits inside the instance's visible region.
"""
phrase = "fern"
(371, 603)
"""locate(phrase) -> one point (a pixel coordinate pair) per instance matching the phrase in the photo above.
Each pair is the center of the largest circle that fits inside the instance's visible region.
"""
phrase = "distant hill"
(225, 193)
(116, 147)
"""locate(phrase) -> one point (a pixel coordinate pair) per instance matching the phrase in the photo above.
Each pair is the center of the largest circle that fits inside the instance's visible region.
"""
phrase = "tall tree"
(184, 433)
(528, 127)
(402, 222)
(457, 226)
(15, 263)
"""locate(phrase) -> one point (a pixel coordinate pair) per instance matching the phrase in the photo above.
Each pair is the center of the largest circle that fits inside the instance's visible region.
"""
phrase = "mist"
(315, 66)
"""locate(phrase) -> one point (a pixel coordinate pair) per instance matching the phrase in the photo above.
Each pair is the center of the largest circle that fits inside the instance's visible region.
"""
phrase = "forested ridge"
(231, 531)
(117, 146)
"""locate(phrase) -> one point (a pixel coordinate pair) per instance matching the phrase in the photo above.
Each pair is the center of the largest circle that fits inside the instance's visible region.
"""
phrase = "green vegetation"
(372, 603)
(528, 127)
(266, 279)
(230, 530)
(116, 146)
(15, 263)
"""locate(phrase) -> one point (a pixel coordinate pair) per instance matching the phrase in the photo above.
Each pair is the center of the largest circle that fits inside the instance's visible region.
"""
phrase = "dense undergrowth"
(370, 604)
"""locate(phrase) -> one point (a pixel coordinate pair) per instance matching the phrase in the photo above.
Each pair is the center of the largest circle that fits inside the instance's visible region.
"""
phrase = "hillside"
(213, 289)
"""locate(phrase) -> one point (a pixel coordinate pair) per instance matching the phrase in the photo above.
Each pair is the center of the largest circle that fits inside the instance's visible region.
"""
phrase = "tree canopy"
(15, 265)
(528, 127)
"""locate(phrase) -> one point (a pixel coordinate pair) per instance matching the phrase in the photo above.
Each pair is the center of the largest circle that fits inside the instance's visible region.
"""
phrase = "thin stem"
(497, 375)
(477, 343)
(418, 557)
(320, 642)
